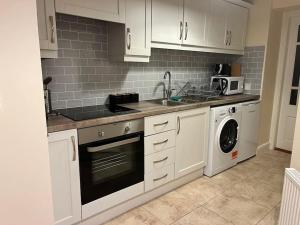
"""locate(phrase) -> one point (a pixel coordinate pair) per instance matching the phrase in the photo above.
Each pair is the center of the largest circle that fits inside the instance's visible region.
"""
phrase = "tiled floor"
(247, 194)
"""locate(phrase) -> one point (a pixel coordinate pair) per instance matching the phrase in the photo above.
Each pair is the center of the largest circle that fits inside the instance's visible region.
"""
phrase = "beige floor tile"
(224, 180)
(202, 216)
(259, 192)
(136, 216)
(237, 210)
(199, 191)
(170, 207)
(272, 218)
(244, 170)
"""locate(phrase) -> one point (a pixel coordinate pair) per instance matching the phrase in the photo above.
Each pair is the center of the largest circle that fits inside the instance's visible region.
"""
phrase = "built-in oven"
(111, 160)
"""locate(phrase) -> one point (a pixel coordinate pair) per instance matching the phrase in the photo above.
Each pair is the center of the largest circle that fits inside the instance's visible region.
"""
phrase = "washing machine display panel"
(228, 137)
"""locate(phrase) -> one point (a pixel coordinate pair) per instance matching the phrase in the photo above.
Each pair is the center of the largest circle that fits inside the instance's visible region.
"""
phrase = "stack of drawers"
(160, 134)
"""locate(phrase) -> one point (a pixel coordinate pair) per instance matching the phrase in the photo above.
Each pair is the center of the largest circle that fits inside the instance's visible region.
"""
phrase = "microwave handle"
(112, 145)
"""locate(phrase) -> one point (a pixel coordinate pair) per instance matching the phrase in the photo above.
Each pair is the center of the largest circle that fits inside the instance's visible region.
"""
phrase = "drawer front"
(159, 160)
(159, 142)
(159, 177)
(158, 124)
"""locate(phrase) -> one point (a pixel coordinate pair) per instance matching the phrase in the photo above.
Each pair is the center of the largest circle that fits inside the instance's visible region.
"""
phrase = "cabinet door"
(237, 18)
(110, 10)
(249, 130)
(46, 24)
(195, 17)
(191, 141)
(167, 21)
(64, 167)
(138, 27)
(216, 27)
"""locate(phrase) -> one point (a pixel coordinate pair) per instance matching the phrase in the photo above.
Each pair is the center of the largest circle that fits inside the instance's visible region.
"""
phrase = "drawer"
(161, 123)
(159, 142)
(159, 177)
(159, 160)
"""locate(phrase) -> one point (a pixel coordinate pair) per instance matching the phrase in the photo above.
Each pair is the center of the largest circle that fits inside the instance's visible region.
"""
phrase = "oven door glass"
(110, 165)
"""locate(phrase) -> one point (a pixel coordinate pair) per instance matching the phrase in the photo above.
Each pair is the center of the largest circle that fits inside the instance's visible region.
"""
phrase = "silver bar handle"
(74, 148)
(160, 178)
(230, 37)
(161, 124)
(161, 142)
(128, 39)
(181, 30)
(159, 161)
(52, 28)
(112, 145)
(178, 125)
(227, 37)
(186, 30)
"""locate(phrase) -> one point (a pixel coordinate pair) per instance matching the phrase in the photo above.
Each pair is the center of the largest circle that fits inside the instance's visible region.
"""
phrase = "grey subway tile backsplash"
(84, 75)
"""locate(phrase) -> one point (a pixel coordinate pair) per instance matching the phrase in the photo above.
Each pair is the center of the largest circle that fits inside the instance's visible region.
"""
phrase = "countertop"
(59, 123)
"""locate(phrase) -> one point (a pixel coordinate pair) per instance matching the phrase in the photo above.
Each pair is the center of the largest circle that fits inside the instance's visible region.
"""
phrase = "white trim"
(241, 3)
(287, 16)
(126, 206)
(263, 146)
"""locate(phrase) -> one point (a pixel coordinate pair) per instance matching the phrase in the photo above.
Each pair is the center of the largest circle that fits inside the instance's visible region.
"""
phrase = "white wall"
(258, 23)
(25, 190)
(285, 3)
(295, 163)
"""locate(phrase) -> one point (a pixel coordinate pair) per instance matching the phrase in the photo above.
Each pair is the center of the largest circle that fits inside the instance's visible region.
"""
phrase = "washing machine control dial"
(232, 110)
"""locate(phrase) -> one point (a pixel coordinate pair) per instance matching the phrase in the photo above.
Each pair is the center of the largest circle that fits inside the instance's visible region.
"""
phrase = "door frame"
(283, 50)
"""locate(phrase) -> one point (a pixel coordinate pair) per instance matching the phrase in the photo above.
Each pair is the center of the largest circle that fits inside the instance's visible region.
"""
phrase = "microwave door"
(224, 85)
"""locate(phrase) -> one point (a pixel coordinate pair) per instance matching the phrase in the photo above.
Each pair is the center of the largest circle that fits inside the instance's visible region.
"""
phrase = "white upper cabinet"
(191, 141)
(227, 25)
(132, 42)
(110, 10)
(138, 31)
(167, 21)
(216, 27)
(47, 28)
(237, 18)
(195, 20)
(64, 168)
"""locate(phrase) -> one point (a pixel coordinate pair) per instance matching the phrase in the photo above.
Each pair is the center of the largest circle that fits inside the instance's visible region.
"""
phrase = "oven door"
(110, 165)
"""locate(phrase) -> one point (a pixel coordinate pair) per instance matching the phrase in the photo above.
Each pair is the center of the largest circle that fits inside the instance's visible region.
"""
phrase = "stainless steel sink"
(165, 102)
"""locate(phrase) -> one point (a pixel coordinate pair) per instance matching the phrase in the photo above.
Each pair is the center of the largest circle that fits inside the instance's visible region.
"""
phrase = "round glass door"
(228, 136)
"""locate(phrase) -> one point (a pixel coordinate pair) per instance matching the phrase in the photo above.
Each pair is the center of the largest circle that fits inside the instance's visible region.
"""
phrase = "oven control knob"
(127, 129)
(101, 133)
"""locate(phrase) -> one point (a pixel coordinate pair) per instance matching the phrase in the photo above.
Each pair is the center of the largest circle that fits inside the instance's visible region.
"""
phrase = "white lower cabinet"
(191, 141)
(64, 167)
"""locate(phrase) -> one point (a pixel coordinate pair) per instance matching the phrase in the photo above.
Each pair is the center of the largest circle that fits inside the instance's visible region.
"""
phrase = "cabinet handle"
(186, 30)
(74, 148)
(162, 142)
(128, 39)
(226, 38)
(160, 178)
(230, 37)
(181, 30)
(51, 19)
(160, 124)
(178, 125)
(158, 161)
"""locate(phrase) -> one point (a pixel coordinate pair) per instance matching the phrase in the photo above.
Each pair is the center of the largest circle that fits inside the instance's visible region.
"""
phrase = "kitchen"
(167, 133)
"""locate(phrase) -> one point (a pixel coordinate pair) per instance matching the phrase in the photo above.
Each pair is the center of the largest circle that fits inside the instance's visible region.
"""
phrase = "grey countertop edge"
(61, 123)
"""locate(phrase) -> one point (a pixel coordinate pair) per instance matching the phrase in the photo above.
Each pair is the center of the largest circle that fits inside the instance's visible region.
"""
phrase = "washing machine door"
(228, 135)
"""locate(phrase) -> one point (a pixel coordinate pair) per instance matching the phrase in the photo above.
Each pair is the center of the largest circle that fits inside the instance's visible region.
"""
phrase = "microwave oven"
(228, 85)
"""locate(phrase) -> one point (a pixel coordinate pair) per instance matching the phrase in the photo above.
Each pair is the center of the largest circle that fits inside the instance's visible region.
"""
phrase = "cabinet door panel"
(167, 15)
(191, 141)
(216, 28)
(65, 182)
(110, 10)
(46, 24)
(237, 17)
(195, 19)
(138, 27)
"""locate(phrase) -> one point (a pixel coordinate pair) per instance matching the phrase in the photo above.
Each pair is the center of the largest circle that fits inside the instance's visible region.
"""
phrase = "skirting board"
(263, 146)
(126, 206)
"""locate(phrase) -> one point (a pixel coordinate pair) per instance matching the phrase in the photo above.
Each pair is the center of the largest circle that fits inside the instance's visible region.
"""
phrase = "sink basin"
(165, 102)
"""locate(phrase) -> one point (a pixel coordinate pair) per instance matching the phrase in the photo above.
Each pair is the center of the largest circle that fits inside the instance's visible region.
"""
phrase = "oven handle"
(112, 145)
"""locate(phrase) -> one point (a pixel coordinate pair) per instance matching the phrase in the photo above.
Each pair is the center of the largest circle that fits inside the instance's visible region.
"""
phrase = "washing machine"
(224, 138)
